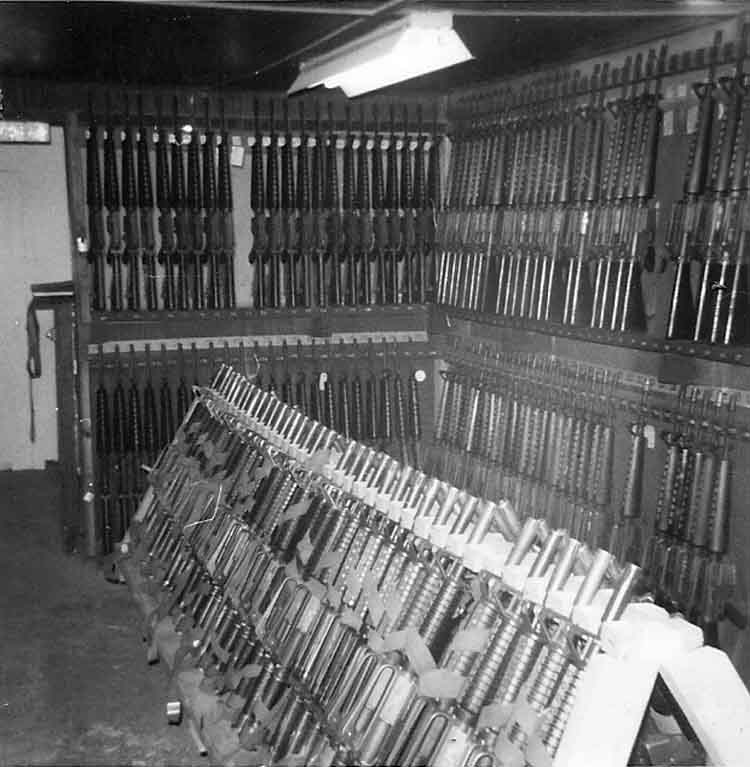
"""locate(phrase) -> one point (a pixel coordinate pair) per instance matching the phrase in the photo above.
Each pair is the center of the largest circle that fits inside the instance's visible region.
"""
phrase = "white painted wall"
(34, 247)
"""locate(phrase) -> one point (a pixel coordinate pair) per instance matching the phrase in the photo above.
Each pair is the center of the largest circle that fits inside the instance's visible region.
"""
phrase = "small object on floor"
(174, 711)
(112, 570)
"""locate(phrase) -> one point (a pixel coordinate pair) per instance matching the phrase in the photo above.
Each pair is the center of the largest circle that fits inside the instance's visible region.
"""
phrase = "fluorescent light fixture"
(419, 43)
(23, 132)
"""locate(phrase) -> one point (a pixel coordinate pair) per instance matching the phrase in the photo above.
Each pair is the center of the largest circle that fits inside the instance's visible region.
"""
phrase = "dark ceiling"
(225, 44)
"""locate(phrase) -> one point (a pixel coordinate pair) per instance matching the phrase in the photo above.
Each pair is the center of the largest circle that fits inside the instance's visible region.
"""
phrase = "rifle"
(166, 223)
(131, 254)
(728, 242)
(290, 249)
(350, 250)
(380, 231)
(319, 217)
(394, 254)
(408, 234)
(687, 214)
(554, 296)
(146, 209)
(212, 222)
(335, 252)
(183, 395)
(226, 265)
(738, 298)
(181, 216)
(273, 199)
(257, 256)
(434, 213)
(112, 203)
(579, 292)
(631, 313)
(103, 454)
(120, 460)
(97, 246)
(305, 236)
(166, 413)
(195, 218)
(422, 214)
(365, 251)
(135, 434)
(150, 415)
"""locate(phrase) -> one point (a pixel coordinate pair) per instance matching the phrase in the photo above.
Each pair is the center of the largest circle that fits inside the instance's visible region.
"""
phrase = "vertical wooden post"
(81, 322)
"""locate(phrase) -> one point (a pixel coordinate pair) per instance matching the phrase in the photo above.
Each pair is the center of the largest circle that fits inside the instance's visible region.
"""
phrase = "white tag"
(237, 156)
(420, 376)
(266, 141)
(649, 432)
(322, 381)
(682, 90)
(236, 141)
(296, 141)
(308, 616)
(668, 123)
(355, 143)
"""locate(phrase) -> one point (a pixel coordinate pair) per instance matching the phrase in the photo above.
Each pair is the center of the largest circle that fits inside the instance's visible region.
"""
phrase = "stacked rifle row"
(536, 430)
(355, 611)
(541, 432)
(379, 403)
(135, 412)
(193, 266)
(686, 553)
(709, 225)
(368, 239)
(549, 214)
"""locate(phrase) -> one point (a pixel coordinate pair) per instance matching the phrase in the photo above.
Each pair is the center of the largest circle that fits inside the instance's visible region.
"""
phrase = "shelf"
(672, 362)
(381, 321)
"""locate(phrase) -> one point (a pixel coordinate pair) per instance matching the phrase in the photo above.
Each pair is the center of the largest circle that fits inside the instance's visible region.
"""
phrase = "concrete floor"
(75, 688)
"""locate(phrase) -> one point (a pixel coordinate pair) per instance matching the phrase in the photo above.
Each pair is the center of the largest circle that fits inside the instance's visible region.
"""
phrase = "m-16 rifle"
(226, 265)
(408, 235)
(212, 219)
(290, 251)
(380, 226)
(94, 201)
(181, 216)
(365, 250)
(273, 200)
(350, 251)
(394, 260)
(114, 224)
(687, 214)
(132, 254)
(257, 256)
(146, 206)
(320, 233)
(334, 251)
(195, 218)
(304, 205)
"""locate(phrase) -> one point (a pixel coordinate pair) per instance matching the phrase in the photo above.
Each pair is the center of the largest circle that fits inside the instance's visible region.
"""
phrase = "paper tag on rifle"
(537, 754)
(528, 719)
(375, 603)
(395, 641)
(237, 156)
(318, 460)
(375, 642)
(649, 432)
(508, 754)
(304, 549)
(331, 560)
(296, 510)
(470, 639)
(668, 123)
(440, 683)
(264, 469)
(393, 605)
(290, 568)
(235, 676)
(494, 716)
(351, 619)
(333, 595)
(418, 653)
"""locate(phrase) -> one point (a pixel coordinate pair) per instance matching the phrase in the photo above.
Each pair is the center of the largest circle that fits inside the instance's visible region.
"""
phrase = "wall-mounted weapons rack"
(523, 298)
